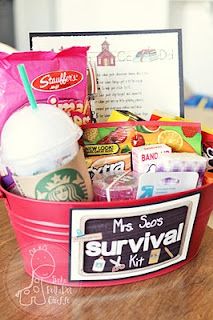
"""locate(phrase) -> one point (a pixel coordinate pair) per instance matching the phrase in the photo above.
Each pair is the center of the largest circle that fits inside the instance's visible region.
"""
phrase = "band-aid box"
(144, 158)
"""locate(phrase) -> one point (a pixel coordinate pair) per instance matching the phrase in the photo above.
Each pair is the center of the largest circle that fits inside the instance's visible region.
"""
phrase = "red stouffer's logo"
(57, 80)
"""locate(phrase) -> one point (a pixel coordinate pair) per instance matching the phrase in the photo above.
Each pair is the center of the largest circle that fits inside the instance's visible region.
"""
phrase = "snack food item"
(120, 137)
(207, 144)
(144, 158)
(101, 165)
(40, 148)
(207, 134)
(163, 116)
(123, 115)
(181, 162)
(116, 187)
(171, 138)
(208, 177)
(58, 79)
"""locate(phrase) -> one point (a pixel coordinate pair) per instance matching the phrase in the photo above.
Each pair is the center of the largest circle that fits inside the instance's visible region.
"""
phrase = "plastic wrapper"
(58, 79)
(121, 137)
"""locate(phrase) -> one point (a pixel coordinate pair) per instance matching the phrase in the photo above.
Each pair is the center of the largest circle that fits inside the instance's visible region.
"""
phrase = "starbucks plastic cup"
(36, 141)
(40, 148)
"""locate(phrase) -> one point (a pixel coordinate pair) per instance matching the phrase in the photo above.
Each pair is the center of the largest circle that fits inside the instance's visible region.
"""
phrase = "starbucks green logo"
(62, 185)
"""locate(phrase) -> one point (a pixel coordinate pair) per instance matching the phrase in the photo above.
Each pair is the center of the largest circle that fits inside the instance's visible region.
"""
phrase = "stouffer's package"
(59, 79)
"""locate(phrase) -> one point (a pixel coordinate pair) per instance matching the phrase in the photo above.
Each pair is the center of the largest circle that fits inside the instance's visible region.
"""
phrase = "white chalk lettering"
(135, 246)
(170, 237)
(135, 262)
(148, 241)
(156, 242)
(150, 224)
(180, 229)
(93, 248)
(118, 224)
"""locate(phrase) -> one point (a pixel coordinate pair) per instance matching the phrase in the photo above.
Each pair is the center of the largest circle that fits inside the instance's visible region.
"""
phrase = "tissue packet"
(159, 183)
(182, 162)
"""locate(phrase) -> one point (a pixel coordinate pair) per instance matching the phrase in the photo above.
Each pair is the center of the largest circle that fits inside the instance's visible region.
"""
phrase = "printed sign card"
(108, 244)
(137, 71)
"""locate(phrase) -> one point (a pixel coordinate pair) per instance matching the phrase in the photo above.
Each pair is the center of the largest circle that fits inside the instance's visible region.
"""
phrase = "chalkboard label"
(107, 244)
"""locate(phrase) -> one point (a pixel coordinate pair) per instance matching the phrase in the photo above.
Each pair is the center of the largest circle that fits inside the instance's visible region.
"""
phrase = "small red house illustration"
(105, 58)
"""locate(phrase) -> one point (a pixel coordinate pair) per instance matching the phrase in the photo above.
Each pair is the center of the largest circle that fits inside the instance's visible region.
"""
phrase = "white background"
(195, 17)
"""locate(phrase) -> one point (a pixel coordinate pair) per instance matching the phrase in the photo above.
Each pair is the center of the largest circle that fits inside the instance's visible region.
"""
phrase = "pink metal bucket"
(45, 236)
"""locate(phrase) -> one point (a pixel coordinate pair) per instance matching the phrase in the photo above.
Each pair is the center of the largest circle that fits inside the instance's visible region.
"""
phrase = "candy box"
(120, 137)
